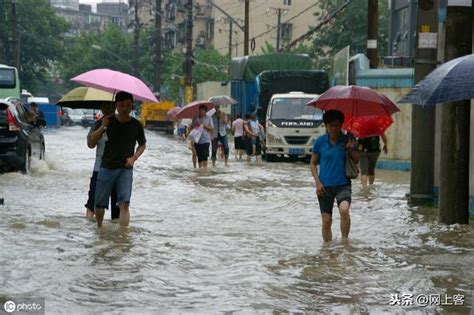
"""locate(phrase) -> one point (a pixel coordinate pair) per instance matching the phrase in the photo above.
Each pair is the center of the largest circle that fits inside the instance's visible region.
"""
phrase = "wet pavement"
(246, 238)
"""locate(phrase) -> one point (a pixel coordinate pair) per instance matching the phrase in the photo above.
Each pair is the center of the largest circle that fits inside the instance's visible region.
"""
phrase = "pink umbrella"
(115, 81)
(192, 109)
(172, 112)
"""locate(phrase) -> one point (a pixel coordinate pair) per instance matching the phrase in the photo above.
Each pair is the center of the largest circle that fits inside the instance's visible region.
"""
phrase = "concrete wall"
(213, 88)
(399, 133)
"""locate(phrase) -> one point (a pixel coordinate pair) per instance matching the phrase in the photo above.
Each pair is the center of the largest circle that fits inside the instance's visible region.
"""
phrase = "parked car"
(65, 118)
(76, 116)
(19, 140)
(88, 117)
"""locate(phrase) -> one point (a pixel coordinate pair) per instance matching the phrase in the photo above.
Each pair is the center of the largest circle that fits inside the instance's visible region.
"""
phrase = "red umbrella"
(367, 126)
(355, 101)
(192, 109)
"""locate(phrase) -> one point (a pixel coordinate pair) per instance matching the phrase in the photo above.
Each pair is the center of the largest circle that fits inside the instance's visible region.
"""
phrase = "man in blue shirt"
(329, 151)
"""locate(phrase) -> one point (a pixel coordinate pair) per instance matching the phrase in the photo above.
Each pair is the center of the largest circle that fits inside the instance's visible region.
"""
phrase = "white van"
(292, 126)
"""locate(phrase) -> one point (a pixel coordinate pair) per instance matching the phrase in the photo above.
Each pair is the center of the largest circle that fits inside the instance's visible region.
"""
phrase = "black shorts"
(340, 193)
(239, 143)
(202, 151)
(250, 142)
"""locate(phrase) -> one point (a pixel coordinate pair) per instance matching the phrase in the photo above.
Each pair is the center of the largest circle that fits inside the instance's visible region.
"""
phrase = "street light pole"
(158, 15)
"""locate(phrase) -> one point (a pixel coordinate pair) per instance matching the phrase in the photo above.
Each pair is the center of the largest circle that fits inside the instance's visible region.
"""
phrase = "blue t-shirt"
(332, 161)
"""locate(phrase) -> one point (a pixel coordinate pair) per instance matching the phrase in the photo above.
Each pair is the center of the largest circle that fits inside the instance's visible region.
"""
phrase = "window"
(170, 39)
(210, 29)
(294, 108)
(286, 2)
(7, 78)
(286, 30)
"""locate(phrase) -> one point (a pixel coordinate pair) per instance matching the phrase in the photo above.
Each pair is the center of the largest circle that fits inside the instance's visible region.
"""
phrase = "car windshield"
(77, 112)
(294, 108)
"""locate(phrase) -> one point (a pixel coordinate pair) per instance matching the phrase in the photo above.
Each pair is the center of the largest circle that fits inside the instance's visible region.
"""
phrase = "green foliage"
(348, 28)
(41, 40)
(110, 49)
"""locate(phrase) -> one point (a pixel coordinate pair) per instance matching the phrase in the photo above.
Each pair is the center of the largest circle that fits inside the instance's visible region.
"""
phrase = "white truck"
(291, 125)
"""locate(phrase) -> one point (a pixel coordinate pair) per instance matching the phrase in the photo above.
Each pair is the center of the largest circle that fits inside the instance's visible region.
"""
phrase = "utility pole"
(247, 27)
(423, 117)
(230, 38)
(278, 30)
(455, 126)
(158, 16)
(136, 40)
(372, 32)
(188, 63)
(14, 26)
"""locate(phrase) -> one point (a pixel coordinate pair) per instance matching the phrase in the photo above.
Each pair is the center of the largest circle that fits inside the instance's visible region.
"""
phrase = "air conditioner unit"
(200, 41)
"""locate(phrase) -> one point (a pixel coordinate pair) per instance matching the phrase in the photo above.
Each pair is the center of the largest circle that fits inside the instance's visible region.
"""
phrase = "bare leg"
(124, 214)
(89, 213)
(99, 214)
(194, 159)
(345, 220)
(327, 222)
(363, 180)
(371, 179)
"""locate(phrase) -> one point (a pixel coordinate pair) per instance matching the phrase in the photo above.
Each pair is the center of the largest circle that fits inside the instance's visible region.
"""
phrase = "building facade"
(83, 20)
(211, 27)
(402, 32)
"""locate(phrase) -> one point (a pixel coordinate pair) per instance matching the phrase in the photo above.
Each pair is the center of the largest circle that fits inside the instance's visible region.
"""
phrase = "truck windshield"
(7, 78)
(294, 108)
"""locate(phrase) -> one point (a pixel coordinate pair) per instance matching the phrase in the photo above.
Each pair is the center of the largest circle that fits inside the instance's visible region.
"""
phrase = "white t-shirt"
(238, 126)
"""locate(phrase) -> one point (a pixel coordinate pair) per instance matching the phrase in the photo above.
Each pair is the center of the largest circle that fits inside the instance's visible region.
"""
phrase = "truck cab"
(291, 125)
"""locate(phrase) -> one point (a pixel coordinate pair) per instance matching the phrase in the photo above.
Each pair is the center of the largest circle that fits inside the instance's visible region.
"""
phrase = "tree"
(110, 49)
(41, 33)
(348, 28)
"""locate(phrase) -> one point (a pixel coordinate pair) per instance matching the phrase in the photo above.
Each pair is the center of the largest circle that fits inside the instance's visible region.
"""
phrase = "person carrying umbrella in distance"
(123, 133)
(219, 134)
(202, 145)
(329, 151)
(108, 109)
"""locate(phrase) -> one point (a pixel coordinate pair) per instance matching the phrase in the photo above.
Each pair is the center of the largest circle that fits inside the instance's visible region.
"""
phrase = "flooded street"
(246, 238)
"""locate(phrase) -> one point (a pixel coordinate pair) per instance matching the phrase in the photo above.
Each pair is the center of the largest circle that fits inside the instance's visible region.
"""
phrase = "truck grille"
(297, 139)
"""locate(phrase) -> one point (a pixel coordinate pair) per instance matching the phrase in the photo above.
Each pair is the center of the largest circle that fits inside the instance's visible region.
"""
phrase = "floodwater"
(243, 239)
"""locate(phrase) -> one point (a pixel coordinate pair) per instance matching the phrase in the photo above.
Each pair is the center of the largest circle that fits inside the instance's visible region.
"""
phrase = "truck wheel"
(271, 157)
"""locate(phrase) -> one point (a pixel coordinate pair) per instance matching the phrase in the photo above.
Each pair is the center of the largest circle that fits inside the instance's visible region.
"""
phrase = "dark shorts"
(91, 200)
(340, 193)
(368, 161)
(239, 143)
(121, 179)
(202, 151)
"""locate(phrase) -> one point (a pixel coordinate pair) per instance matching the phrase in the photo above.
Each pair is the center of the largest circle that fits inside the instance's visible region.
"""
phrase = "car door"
(32, 131)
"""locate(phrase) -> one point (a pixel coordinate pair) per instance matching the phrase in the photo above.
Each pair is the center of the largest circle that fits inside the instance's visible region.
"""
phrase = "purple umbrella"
(115, 81)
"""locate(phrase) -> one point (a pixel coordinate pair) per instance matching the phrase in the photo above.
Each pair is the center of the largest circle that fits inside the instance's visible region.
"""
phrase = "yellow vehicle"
(154, 116)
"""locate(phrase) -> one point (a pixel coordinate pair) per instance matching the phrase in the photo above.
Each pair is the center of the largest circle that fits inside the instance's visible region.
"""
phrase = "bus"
(9, 82)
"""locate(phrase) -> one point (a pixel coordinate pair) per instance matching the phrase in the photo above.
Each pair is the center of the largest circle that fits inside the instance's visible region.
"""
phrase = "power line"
(275, 27)
(326, 20)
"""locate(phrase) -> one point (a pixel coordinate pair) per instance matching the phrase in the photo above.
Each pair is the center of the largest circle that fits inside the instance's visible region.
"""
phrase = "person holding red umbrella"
(329, 151)
(369, 151)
